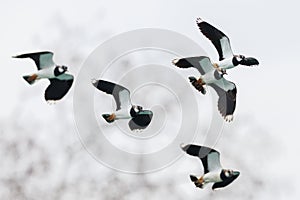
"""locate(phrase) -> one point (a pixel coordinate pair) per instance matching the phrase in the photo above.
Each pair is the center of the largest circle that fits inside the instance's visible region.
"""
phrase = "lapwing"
(139, 118)
(60, 81)
(227, 59)
(226, 90)
(213, 170)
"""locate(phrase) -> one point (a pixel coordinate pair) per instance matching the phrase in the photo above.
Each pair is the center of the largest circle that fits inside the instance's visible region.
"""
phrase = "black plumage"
(57, 89)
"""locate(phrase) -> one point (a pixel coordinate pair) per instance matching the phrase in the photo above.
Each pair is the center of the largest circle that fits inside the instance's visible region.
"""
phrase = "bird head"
(137, 108)
(60, 70)
(242, 60)
(228, 173)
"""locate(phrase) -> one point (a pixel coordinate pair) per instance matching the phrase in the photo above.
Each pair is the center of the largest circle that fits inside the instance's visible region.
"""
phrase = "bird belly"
(46, 73)
(122, 114)
(209, 77)
(225, 64)
(212, 177)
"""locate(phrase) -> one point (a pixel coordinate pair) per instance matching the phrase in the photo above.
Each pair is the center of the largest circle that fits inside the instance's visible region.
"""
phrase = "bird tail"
(198, 182)
(193, 178)
(197, 85)
(30, 78)
(109, 117)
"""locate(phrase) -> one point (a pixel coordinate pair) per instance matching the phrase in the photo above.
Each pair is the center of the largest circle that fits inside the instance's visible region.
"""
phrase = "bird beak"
(249, 61)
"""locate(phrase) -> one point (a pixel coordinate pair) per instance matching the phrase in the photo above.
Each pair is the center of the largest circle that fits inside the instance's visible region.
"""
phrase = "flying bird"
(213, 171)
(139, 118)
(227, 59)
(226, 90)
(60, 81)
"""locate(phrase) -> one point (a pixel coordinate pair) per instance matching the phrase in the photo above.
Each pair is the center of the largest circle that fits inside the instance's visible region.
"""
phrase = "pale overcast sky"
(267, 30)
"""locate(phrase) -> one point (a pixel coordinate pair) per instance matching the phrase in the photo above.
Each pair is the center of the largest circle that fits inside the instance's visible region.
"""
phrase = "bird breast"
(46, 73)
(225, 64)
(213, 176)
(209, 77)
(123, 113)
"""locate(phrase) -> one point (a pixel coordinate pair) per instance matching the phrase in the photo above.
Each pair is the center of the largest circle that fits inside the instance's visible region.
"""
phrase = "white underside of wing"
(224, 84)
(206, 64)
(46, 60)
(226, 48)
(125, 100)
(213, 162)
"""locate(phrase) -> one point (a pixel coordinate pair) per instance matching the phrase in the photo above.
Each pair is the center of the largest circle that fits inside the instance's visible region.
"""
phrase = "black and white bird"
(60, 81)
(226, 90)
(213, 171)
(227, 59)
(139, 118)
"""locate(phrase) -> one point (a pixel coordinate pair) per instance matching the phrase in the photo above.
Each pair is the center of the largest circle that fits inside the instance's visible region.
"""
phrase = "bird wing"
(210, 157)
(141, 121)
(58, 87)
(226, 91)
(201, 63)
(120, 93)
(42, 59)
(217, 37)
